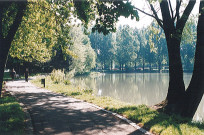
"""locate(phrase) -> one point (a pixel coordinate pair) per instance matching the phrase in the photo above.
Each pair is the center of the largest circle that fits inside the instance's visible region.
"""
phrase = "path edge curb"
(120, 117)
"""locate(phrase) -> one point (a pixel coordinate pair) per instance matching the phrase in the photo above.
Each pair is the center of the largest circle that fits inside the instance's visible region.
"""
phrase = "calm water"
(137, 88)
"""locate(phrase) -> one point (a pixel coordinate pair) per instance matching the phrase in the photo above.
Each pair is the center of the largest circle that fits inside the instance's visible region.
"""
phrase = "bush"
(57, 76)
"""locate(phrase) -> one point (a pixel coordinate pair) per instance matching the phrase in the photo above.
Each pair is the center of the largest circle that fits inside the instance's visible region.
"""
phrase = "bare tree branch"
(182, 21)
(167, 20)
(156, 16)
(178, 5)
(144, 12)
(172, 13)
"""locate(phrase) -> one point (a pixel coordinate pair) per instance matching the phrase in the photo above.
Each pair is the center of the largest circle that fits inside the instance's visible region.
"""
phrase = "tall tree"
(125, 48)
(142, 46)
(176, 91)
(173, 24)
(102, 45)
(85, 56)
(157, 43)
(11, 14)
(188, 44)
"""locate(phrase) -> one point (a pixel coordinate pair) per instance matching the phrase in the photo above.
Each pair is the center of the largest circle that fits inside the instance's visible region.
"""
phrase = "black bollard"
(43, 82)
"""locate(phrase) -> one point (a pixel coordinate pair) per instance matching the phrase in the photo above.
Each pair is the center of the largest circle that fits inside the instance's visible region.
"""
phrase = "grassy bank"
(11, 116)
(150, 119)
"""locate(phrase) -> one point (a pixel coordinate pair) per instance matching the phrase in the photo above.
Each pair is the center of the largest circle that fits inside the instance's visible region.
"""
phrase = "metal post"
(43, 82)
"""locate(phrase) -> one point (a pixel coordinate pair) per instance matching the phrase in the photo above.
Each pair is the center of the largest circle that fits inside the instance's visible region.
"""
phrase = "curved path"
(55, 114)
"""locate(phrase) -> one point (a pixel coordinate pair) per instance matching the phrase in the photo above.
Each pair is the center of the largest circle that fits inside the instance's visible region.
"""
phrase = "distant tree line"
(131, 49)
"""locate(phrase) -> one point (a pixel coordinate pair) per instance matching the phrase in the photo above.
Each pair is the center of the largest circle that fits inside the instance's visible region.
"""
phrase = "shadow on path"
(56, 114)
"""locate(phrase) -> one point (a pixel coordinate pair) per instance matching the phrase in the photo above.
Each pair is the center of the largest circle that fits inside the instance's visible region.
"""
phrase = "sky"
(145, 20)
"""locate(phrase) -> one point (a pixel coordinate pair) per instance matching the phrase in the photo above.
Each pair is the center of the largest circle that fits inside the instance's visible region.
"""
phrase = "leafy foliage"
(125, 48)
(85, 55)
(106, 13)
(131, 47)
(109, 12)
(104, 47)
(36, 34)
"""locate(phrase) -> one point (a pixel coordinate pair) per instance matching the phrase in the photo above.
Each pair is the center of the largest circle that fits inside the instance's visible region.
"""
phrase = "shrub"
(57, 76)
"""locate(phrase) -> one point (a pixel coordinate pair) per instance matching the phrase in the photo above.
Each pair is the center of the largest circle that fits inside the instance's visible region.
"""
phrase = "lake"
(136, 88)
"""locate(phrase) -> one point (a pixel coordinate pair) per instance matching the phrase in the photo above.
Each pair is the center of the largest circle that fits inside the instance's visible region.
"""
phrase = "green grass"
(7, 77)
(11, 117)
(144, 116)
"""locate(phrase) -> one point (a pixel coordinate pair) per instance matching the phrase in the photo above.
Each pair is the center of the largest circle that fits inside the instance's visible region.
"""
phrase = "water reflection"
(137, 88)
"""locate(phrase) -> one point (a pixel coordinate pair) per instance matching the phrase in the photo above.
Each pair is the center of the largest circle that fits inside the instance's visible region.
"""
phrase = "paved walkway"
(55, 114)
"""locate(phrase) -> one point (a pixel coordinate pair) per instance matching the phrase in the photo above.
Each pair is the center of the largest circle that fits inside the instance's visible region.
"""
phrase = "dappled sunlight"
(53, 113)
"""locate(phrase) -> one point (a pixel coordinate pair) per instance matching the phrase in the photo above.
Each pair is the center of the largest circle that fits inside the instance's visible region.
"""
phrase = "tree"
(104, 48)
(157, 44)
(125, 53)
(142, 46)
(188, 44)
(43, 34)
(11, 14)
(36, 34)
(136, 44)
(85, 56)
(173, 25)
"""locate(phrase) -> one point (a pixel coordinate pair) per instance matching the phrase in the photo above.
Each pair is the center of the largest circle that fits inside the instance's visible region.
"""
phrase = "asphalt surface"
(55, 114)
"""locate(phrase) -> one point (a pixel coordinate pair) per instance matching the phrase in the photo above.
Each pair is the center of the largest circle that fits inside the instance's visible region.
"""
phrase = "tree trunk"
(111, 65)
(3, 57)
(159, 66)
(120, 66)
(176, 95)
(195, 90)
(104, 64)
(176, 90)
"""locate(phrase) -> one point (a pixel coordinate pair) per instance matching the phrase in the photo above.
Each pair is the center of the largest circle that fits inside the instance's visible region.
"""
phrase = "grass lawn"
(155, 122)
(11, 116)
